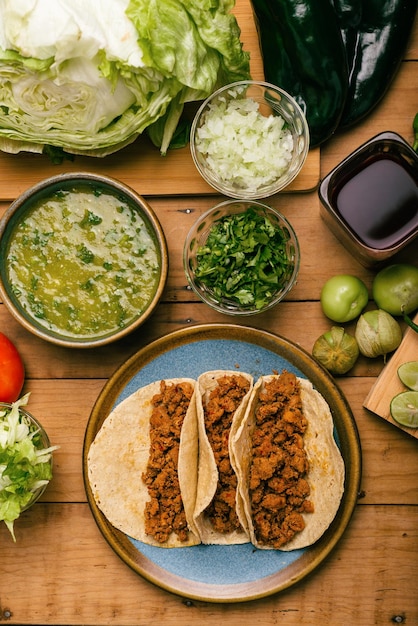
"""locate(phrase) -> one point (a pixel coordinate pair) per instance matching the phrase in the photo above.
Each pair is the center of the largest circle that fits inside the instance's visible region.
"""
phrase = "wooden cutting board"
(140, 165)
(388, 384)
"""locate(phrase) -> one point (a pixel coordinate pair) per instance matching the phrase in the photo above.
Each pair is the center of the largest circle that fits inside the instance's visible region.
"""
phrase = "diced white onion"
(241, 146)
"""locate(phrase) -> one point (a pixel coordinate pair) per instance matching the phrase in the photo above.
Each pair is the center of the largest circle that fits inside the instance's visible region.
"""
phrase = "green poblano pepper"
(376, 34)
(303, 53)
(349, 14)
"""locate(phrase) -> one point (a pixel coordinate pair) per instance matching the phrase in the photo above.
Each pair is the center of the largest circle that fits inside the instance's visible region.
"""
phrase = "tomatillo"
(336, 350)
(395, 289)
(343, 297)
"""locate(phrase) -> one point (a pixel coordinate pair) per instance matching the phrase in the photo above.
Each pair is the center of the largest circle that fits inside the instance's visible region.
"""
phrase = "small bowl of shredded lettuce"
(249, 140)
(241, 257)
(25, 461)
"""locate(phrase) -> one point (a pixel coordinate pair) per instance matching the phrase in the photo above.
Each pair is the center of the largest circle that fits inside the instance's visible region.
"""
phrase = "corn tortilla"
(326, 466)
(119, 455)
(207, 469)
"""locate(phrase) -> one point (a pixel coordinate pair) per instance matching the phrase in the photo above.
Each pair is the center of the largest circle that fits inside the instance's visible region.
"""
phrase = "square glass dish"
(370, 200)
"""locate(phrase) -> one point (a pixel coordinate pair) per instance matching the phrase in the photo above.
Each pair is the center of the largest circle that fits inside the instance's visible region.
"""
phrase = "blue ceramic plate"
(238, 572)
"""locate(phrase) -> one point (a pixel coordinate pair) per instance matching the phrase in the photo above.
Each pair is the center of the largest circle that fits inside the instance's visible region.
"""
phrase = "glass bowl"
(85, 260)
(249, 140)
(246, 297)
(40, 440)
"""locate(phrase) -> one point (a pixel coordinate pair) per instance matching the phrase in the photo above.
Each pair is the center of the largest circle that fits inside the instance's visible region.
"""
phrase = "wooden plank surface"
(140, 164)
(75, 577)
(388, 384)
(61, 570)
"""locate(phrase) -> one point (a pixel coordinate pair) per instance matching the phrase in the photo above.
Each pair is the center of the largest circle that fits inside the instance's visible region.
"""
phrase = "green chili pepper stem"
(409, 321)
(415, 128)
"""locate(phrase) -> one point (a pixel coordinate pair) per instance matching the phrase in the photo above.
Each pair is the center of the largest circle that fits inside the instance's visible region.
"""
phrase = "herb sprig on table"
(244, 259)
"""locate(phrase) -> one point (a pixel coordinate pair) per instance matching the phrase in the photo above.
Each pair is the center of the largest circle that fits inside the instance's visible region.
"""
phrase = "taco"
(221, 400)
(290, 470)
(142, 464)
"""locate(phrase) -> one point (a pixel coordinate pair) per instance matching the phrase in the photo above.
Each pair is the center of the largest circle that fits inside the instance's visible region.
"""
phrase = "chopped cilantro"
(90, 219)
(84, 254)
(244, 259)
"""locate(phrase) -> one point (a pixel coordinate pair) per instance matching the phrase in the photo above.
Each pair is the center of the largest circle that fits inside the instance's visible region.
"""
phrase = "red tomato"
(12, 371)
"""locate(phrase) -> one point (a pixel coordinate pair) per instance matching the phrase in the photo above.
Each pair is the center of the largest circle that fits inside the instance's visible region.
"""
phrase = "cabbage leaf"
(88, 77)
(25, 466)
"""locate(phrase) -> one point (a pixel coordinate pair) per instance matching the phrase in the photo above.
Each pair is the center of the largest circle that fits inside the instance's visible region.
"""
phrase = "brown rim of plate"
(349, 443)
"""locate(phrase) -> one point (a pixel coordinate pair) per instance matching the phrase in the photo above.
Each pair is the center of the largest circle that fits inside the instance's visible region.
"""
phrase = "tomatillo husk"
(377, 333)
(336, 350)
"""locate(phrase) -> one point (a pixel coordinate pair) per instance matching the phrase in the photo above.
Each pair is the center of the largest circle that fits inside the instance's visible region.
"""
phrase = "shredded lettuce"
(25, 465)
(89, 77)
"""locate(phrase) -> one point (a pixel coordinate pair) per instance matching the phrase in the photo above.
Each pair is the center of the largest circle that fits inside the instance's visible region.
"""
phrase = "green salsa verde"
(83, 262)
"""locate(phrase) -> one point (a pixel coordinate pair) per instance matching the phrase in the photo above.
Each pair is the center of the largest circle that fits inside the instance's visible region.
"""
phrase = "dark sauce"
(379, 203)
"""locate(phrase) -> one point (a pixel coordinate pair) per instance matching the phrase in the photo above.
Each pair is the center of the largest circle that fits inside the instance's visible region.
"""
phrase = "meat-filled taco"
(142, 464)
(291, 472)
(221, 400)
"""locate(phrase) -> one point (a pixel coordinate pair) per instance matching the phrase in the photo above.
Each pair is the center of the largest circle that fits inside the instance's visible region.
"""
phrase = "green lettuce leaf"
(25, 465)
(89, 77)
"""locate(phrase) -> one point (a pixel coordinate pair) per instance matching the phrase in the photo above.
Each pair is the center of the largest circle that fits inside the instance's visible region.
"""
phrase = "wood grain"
(75, 577)
(388, 384)
(301, 322)
(62, 571)
(140, 165)
(395, 112)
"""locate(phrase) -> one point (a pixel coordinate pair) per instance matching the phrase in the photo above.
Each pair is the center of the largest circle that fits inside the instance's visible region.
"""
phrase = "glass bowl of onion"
(249, 140)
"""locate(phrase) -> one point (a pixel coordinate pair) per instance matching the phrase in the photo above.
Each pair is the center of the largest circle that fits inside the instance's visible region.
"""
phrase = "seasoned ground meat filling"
(219, 410)
(278, 485)
(164, 512)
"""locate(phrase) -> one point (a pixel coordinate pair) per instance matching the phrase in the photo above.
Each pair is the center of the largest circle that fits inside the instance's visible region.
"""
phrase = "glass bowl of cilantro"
(241, 257)
(25, 461)
(249, 140)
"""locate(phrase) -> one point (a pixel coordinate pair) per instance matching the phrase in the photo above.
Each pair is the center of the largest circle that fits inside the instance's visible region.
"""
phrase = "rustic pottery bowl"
(197, 238)
(249, 140)
(85, 260)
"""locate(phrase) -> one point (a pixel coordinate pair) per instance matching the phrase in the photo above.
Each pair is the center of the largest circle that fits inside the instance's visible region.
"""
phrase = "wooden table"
(62, 571)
